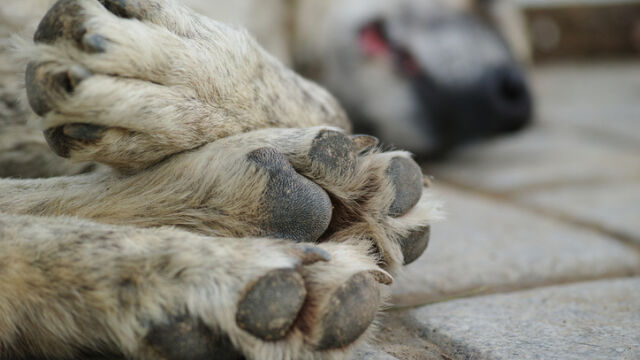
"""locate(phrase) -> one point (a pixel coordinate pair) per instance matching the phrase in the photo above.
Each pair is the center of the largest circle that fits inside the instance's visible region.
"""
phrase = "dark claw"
(364, 142)
(76, 74)
(189, 339)
(83, 131)
(414, 244)
(381, 276)
(296, 208)
(335, 152)
(124, 8)
(64, 20)
(57, 141)
(94, 43)
(352, 308)
(406, 177)
(271, 304)
(311, 254)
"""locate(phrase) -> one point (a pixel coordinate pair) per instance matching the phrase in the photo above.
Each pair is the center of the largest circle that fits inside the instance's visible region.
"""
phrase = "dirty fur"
(176, 227)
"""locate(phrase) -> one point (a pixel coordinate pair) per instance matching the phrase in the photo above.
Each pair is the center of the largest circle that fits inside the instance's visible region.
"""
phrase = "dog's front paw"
(129, 82)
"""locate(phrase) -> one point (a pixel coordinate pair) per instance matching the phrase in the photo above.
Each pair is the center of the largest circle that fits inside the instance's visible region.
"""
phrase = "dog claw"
(94, 43)
(364, 142)
(381, 276)
(311, 254)
(75, 75)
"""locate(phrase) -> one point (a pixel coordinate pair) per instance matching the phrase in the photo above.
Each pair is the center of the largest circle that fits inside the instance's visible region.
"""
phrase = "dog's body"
(238, 218)
(425, 75)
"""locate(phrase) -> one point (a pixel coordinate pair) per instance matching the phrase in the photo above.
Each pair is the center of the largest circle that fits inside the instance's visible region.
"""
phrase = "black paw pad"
(83, 132)
(43, 86)
(124, 8)
(335, 152)
(414, 244)
(406, 177)
(271, 304)
(188, 339)
(64, 20)
(295, 207)
(351, 309)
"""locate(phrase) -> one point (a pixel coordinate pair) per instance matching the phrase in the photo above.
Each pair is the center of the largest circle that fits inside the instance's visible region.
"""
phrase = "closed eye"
(374, 41)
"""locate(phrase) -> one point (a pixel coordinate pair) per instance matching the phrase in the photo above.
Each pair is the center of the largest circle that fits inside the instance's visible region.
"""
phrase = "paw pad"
(406, 177)
(335, 152)
(271, 304)
(297, 208)
(188, 339)
(414, 244)
(351, 309)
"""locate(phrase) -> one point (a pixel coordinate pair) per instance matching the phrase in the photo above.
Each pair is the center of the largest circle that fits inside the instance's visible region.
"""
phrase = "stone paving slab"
(486, 245)
(539, 157)
(396, 339)
(594, 320)
(613, 207)
(598, 100)
(370, 352)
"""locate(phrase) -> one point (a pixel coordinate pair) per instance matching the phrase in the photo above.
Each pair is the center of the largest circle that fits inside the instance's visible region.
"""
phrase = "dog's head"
(424, 75)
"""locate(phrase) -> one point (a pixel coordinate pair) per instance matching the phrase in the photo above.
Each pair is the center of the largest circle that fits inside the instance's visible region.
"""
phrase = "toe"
(44, 85)
(414, 244)
(406, 177)
(271, 304)
(351, 310)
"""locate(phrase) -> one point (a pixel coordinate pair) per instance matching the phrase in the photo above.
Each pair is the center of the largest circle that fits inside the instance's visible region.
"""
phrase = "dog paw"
(321, 305)
(130, 82)
(380, 197)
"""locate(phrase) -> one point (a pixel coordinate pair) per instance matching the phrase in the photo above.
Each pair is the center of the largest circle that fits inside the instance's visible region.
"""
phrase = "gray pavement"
(539, 257)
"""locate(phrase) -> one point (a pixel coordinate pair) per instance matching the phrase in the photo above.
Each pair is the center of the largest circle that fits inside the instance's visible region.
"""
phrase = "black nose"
(509, 98)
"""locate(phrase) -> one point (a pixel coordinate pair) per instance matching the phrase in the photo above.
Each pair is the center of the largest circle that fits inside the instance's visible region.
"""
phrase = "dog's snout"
(509, 97)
